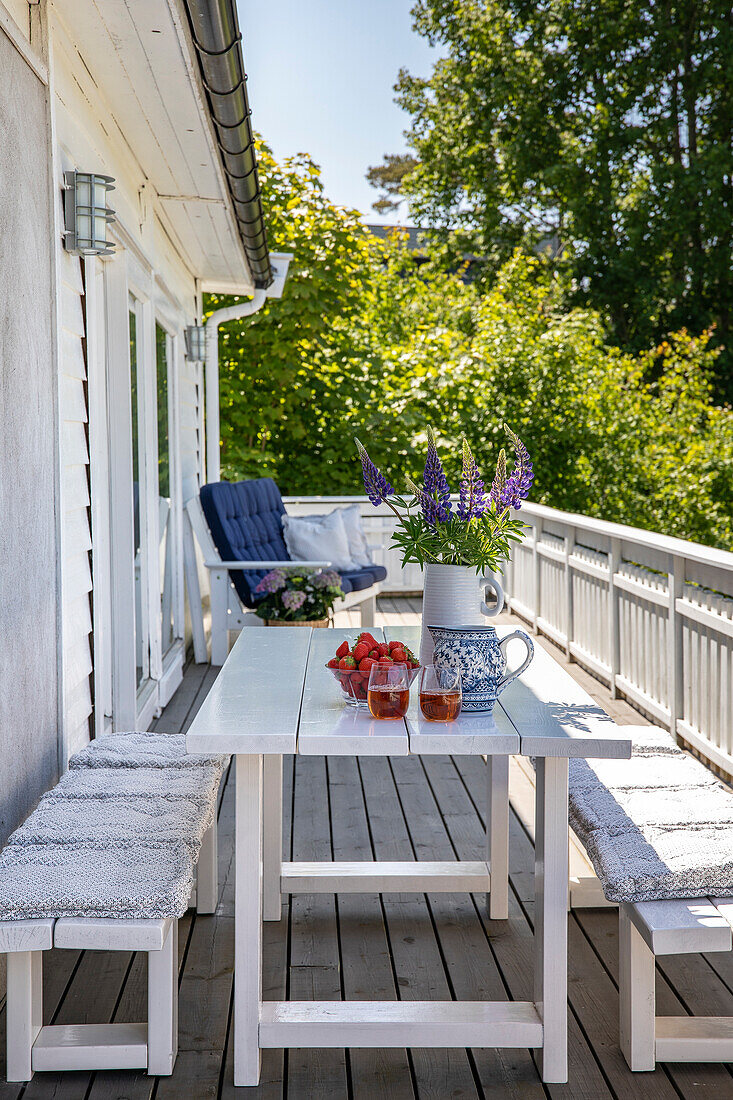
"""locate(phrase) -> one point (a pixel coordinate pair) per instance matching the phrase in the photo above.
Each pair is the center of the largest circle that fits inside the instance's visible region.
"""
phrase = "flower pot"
(298, 622)
(454, 595)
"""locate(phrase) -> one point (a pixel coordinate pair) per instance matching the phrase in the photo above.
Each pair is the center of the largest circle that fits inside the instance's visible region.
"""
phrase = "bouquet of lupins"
(298, 594)
(478, 532)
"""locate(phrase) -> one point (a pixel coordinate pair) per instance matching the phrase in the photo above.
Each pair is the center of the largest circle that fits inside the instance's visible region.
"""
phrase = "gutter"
(217, 40)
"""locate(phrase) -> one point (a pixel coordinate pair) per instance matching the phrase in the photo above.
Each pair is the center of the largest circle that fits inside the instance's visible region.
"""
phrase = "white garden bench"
(106, 862)
(659, 832)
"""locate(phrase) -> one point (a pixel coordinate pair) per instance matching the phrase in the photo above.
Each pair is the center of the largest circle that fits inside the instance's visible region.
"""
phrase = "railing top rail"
(680, 548)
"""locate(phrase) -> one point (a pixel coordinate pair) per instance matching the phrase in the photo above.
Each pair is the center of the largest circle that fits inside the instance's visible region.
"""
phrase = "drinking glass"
(440, 694)
(388, 694)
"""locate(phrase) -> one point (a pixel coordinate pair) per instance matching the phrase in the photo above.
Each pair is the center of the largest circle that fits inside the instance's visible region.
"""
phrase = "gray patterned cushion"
(148, 750)
(199, 784)
(657, 826)
(39, 881)
(127, 821)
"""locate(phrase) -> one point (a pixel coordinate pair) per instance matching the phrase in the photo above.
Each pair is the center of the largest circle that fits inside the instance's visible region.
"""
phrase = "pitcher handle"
(530, 654)
(493, 583)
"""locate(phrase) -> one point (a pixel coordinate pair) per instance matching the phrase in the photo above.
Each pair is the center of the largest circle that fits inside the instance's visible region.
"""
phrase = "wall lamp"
(86, 213)
(195, 340)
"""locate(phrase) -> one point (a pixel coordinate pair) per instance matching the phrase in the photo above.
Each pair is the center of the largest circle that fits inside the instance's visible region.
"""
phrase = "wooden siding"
(76, 539)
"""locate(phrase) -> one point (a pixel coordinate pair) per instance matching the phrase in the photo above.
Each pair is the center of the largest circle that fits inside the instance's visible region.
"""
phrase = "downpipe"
(213, 423)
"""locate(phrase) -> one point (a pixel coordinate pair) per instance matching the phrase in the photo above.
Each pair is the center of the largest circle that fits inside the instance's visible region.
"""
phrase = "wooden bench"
(135, 824)
(614, 810)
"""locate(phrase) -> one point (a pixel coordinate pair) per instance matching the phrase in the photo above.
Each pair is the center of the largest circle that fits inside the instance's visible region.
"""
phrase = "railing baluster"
(675, 669)
(569, 627)
(614, 643)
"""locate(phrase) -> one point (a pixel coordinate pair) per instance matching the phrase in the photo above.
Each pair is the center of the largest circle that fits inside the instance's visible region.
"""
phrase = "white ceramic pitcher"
(454, 595)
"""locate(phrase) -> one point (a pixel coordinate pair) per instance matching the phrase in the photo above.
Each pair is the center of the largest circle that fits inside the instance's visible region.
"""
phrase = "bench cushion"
(655, 827)
(245, 520)
(199, 784)
(148, 822)
(38, 881)
(149, 750)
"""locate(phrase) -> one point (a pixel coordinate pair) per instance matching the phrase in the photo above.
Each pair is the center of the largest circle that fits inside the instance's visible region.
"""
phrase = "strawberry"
(414, 664)
(348, 663)
(366, 664)
(395, 645)
(398, 656)
(383, 649)
(374, 654)
(360, 652)
(343, 649)
(333, 663)
(368, 638)
(385, 662)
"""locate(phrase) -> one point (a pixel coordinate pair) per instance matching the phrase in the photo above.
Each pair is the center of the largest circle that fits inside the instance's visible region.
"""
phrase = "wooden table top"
(274, 695)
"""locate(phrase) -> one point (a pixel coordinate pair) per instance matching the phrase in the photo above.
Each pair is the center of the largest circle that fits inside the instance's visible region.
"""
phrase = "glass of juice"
(388, 694)
(440, 694)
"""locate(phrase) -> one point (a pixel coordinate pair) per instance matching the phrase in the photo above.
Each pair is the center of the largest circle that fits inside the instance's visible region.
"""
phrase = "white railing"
(651, 616)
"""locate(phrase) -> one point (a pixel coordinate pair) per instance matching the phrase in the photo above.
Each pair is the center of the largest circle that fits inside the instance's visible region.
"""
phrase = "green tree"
(604, 129)
(365, 343)
(388, 177)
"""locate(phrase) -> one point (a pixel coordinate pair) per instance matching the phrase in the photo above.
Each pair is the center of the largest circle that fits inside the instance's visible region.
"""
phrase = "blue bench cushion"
(360, 579)
(245, 520)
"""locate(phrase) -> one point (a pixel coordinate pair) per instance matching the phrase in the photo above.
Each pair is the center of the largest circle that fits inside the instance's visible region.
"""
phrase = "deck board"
(366, 947)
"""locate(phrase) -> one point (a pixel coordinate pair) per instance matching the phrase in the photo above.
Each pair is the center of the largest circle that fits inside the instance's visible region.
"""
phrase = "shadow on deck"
(396, 946)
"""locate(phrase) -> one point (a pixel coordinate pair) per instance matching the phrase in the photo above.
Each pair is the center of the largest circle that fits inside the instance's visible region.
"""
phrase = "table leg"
(272, 837)
(248, 920)
(551, 914)
(497, 836)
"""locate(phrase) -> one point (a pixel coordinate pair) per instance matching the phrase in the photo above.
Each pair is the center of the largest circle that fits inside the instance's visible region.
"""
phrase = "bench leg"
(272, 839)
(219, 616)
(497, 836)
(207, 879)
(636, 996)
(163, 1005)
(368, 611)
(24, 1010)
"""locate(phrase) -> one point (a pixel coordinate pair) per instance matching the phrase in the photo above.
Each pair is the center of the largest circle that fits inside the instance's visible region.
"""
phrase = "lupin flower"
(376, 485)
(427, 504)
(516, 487)
(473, 501)
(435, 481)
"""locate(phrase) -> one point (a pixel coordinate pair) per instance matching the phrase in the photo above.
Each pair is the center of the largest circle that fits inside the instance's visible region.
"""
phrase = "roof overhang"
(143, 61)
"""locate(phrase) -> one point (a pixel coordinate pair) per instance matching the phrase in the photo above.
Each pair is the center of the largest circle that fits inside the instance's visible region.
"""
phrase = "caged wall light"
(86, 213)
(195, 337)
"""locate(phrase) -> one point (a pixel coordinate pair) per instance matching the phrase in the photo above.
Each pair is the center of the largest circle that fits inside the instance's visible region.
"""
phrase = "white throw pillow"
(358, 547)
(316, 538)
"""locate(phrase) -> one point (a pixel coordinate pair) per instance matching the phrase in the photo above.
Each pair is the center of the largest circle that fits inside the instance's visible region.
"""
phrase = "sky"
(320, 81)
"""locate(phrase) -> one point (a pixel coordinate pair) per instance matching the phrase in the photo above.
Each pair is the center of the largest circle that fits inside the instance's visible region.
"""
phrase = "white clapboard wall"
(76, 541)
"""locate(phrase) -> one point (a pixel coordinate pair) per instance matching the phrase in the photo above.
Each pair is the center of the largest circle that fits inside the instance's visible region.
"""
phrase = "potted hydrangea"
(298, 597)
(459, 545)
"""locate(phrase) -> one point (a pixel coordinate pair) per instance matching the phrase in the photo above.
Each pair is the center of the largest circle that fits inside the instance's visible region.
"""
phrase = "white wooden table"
(274, 696)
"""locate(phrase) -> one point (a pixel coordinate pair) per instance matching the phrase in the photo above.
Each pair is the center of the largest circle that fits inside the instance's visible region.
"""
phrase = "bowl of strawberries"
(353, 663)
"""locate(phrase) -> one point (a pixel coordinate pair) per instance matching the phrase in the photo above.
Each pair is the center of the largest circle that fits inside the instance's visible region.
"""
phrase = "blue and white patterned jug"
(480, 658)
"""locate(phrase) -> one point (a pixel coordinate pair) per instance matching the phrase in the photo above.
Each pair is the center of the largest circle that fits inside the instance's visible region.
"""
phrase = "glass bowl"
(353, 684)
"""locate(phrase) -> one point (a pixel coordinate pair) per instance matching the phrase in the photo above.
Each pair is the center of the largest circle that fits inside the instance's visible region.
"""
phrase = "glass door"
(166, 524)
(142, 650)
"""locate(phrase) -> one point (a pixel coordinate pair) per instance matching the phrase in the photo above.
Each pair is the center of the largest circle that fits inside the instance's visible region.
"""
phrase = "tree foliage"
(606, 129)
(365, 344)
(388, 177)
